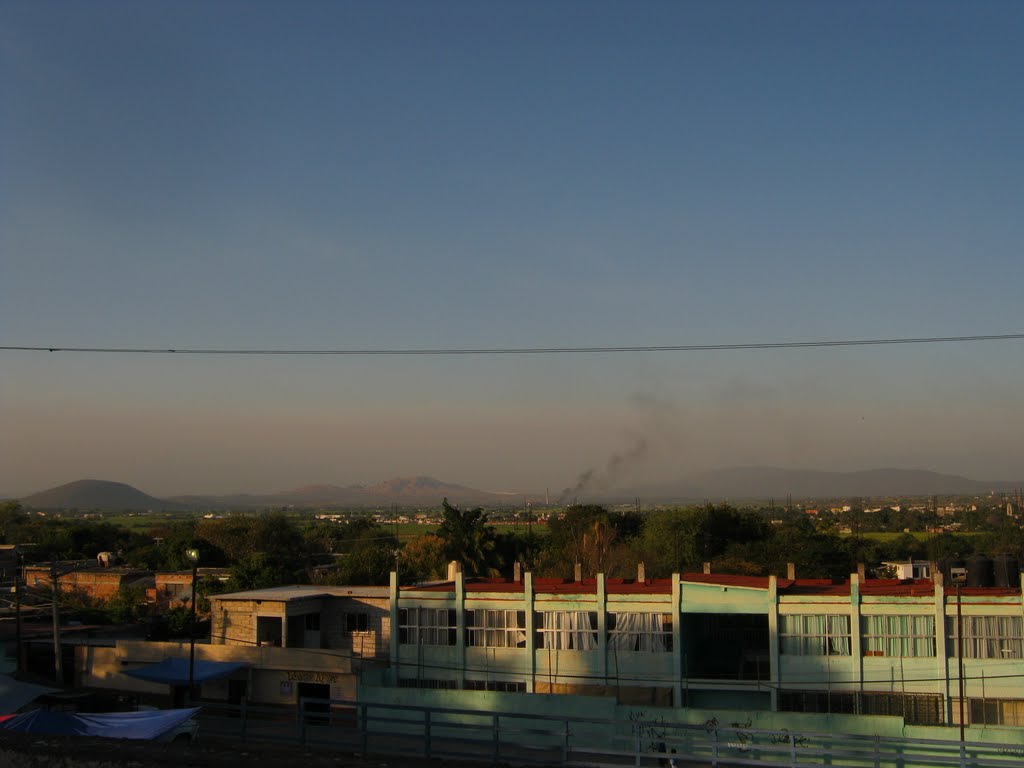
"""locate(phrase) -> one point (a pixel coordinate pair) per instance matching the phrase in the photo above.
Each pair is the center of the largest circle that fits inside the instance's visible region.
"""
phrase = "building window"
(997, 712)
(418, 682)
(640, 631)
(914, 708)
(899, 635)
(268, 630)
(816, 635)
(818, 701)
(486, 628)
(426, 626)
(567, 630)
(357, 622)
(502, 686)
(312, 621)
(988, 637)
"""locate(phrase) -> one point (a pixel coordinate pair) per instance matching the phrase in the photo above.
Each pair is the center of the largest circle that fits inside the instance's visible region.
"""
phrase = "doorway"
(317, 712)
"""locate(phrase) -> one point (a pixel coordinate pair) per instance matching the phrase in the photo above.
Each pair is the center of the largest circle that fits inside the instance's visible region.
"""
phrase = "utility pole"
(58, 662)
(394, 530)
(17, 626)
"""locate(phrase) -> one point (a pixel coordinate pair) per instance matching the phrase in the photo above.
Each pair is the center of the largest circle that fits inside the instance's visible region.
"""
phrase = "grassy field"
(919, 535)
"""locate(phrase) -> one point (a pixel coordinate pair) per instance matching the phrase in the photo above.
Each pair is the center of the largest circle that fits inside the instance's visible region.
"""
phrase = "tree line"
(272, 549)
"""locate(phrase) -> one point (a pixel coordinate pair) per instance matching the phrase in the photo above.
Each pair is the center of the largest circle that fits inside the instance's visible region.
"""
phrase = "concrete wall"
(273, 674)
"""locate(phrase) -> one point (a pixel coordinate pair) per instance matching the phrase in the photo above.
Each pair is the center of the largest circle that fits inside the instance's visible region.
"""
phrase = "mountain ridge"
(752, 482)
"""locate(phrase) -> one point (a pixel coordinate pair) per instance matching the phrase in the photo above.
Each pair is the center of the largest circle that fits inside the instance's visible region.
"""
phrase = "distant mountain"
(766, 482)
(406, 491)
(419, 491)
(96, 494)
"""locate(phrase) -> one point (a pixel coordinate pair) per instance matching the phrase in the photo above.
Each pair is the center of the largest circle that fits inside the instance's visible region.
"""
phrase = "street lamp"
(958, 575)
(193, 557)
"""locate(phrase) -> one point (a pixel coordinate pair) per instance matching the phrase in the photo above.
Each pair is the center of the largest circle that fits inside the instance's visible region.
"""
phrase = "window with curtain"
(486, 628)
(898, 635)
(988, 637)
(815, 635)
(566, 630)
(640, 632)
(997, 712)
(426, 626)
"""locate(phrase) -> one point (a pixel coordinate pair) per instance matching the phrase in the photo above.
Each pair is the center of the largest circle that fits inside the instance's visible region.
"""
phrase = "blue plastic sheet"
(175, 671)
(114, 725)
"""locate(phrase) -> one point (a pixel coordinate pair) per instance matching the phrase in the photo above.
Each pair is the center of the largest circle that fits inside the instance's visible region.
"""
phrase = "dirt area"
(20, 751)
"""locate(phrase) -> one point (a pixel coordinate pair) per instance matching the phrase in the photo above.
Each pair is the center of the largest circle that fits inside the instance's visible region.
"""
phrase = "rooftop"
(617, 586)
(303, 592)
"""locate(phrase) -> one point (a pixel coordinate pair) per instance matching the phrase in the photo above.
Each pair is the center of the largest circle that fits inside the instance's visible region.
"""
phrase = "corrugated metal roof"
(303, 592)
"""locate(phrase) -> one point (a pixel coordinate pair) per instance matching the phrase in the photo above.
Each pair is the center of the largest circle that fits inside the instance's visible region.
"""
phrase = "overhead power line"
(526, 350)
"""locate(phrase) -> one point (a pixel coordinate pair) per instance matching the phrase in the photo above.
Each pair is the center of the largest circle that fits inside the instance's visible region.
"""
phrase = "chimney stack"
(578, 572)
(454, 569)
(707, 567)
(641, 574)
(860, 572)
(791, 571)
(517, 572)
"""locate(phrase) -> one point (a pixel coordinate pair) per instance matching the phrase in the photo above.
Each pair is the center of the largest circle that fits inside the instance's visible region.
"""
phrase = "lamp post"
(16, 589)
(193, 557)
(959, 577)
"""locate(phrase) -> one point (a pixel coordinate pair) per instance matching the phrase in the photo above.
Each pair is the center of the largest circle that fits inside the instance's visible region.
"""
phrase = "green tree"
(422, 559)
(681, 540)
(469, 540)
(12, 520)
(128, 606)
(370, 563)
(263, 569)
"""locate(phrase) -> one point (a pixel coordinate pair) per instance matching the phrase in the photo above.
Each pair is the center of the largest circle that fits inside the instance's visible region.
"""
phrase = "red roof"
(616, 586)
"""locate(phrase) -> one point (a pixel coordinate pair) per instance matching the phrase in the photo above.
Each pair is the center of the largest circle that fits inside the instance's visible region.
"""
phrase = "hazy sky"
(442, 174)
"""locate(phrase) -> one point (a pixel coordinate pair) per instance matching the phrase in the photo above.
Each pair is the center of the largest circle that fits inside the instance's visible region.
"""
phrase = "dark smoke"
(618, 465)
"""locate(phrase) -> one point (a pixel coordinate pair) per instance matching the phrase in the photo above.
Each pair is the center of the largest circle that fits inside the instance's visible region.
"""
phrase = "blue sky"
(387, 174)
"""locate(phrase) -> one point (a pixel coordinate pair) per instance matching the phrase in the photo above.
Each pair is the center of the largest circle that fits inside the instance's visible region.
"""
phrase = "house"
(910, 569)
(174, 588)
(86, 579)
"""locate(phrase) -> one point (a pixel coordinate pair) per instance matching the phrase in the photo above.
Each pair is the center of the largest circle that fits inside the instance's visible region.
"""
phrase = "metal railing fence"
(518, 738)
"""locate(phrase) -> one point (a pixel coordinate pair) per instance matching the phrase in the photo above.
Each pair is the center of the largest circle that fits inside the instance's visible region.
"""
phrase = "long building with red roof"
(696, 640)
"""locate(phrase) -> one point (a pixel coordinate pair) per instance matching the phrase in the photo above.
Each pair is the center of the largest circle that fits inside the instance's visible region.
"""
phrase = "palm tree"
(469, 540)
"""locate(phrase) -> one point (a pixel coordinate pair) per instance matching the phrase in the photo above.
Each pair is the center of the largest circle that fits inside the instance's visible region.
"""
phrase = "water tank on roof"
(980, 571)
(1007, 571)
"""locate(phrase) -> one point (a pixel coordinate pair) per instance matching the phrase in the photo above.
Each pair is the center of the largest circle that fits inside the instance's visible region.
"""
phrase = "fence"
(518, 738)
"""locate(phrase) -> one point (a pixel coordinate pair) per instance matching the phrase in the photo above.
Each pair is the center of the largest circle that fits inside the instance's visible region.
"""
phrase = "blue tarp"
(114, 725)
(175, 671)
(14, 694)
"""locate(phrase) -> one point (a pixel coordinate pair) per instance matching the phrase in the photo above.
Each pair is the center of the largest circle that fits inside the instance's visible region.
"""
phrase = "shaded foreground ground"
(21, 751)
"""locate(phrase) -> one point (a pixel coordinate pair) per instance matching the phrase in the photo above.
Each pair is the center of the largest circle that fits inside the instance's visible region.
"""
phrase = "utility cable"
(370, 351)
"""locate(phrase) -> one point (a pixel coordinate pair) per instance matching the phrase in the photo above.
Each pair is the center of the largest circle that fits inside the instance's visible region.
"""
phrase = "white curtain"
(816, 635)
(638, 632)
(565, 630)
(899, 635)
(991, 637)
(839, 635)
